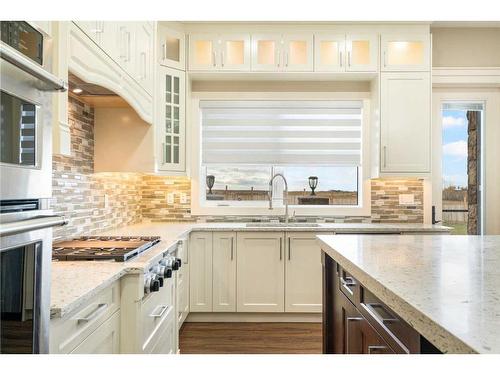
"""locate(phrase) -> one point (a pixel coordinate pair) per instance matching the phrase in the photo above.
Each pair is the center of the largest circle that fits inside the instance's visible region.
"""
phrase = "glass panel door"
(18, 307)
(329, 53)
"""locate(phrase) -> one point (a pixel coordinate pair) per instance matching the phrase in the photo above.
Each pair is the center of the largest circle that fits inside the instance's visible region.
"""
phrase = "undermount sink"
(274, 225)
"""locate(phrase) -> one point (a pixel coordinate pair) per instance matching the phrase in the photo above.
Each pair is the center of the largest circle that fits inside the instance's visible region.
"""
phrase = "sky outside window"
(454, 148)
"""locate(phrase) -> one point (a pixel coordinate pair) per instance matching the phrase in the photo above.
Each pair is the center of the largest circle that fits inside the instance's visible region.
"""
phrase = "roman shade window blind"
(282, 132)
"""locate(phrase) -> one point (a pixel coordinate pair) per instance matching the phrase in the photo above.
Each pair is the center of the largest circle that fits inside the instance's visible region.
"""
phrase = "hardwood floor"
(251, 338)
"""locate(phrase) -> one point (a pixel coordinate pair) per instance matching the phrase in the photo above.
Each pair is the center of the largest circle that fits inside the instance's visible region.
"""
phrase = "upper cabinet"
(405, 52)
(171, 48)
(277, 52)
(144, 53)
(170, 121)
(229, 52)
(345, 53)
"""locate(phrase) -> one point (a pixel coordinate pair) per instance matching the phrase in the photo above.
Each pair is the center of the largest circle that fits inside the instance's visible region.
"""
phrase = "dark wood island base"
(355, 321)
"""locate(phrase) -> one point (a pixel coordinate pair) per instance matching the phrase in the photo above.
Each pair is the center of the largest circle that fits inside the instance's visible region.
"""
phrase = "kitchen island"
(411, 294)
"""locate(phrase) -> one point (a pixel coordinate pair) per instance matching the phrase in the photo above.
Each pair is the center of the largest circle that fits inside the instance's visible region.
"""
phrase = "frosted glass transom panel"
(173, 49)
(266, 52)
(235, 52)
(297, 52)
(360, 52)
(405, 53)
(203, 52)
(329, 52)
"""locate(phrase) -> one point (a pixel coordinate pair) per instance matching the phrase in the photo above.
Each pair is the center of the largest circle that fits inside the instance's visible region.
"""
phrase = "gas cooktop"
(119, 248)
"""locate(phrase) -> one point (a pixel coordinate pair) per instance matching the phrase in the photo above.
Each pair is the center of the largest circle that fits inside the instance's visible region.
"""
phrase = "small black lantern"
(313, 183)
(210, 183)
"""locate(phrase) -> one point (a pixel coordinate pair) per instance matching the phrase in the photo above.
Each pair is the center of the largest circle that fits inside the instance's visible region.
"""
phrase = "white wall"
(466, 47)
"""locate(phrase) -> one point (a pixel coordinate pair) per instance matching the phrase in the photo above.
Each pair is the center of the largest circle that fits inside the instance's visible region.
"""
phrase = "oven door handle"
(34, 223)
(16, 58)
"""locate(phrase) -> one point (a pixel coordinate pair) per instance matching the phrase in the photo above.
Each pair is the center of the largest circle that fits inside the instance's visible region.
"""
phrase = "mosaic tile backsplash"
(95, 202)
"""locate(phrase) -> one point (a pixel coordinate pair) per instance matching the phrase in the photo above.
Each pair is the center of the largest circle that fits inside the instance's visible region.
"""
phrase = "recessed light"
(77, 90)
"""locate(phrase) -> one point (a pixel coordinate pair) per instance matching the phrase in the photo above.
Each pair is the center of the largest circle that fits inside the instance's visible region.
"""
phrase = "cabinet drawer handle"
(286, 59)
(289, 248)
(222, 59)
(281, 252)
(349, 58)
(340, 54)
(214, 59)
(94, 314)
(372, 349)
(279, 58)
(347, 281)
(164, 51)
(163, 310)
(372, 307)
(385, 60)
(232, 248)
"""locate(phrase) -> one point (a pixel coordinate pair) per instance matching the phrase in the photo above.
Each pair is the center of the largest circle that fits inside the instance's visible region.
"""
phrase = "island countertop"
(446, 287)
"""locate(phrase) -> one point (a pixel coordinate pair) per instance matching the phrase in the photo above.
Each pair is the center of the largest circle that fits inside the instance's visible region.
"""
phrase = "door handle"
(232, 248)
(94, 314)
(34, 223)
(340, 54)
(214, 59)
(281, 252)
(164, 51)
(289, 248)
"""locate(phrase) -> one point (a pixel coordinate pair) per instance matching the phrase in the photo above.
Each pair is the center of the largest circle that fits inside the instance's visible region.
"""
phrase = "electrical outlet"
(170, 198)
(406, 199)
(183, 198)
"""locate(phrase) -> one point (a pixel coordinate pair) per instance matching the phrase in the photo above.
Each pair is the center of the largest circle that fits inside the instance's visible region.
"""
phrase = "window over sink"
(318, 145)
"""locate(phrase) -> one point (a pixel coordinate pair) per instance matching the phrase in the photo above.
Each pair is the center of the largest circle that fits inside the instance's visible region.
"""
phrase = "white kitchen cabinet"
(125, 41)
(362, 52)
(104, 340)
(282, 52)
(329, 52)
(260, 272)
(171, 47)
(90, 28)
(303, 276)
(144, 54)
(405, 52)
(182, 276)
(229, 52)
(405, 121)
(224, 272)
(200, 275)
(170, 123)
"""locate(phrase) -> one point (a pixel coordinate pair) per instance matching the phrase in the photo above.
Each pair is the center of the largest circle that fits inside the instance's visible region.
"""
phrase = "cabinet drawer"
(165, 337)
(69, 332)
(399, 334)
(104, 340)
(156, 307)
(348, 285)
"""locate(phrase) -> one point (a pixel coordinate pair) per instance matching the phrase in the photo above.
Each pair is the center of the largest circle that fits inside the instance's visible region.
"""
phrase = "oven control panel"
(164, 269)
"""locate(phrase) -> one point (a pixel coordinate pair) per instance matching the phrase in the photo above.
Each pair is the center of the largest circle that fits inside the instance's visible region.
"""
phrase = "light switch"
(170, 198)
(406, 199)
(183, 198)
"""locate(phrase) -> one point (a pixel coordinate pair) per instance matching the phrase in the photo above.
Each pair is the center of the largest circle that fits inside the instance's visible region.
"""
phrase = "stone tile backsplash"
(95, 202)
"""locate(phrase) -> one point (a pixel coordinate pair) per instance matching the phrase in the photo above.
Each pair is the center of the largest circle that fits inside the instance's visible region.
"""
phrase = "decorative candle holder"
(210, 183)
(313, 183)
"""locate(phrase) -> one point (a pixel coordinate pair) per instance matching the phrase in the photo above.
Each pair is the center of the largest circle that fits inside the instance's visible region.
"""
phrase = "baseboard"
(255, 317)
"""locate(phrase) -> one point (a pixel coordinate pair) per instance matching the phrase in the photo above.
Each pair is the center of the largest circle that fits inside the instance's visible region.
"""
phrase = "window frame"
(198, 206)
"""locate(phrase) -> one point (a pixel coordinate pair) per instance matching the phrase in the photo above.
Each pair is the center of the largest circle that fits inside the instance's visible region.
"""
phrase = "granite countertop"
(73, 283)
(446, 287)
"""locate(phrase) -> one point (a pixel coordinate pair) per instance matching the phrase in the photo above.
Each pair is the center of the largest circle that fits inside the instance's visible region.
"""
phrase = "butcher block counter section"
(413, 293)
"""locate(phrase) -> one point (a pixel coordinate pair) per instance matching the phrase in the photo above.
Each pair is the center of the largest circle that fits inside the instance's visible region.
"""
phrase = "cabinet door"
(170, 120)
(104, 340)
(329, 52)
(371, 341)
(144, 56)
(303, 290)
(224, 272)
(260, 273)
(406, 52)
(405, 122)
(234, 52)
(267, 52)
(200, 275)
(171, 48)
(298, 53)
(362, 52)
(203, 52)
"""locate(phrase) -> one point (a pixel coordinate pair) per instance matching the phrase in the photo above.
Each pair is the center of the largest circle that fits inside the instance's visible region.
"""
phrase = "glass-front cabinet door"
(267, 54)
(298, 53)
(170, 123)
(203, 52)
(171, 47)
(234, 52)
(406, 52)
(362, 52)
(329, 52)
